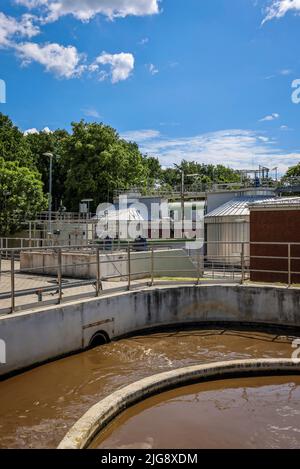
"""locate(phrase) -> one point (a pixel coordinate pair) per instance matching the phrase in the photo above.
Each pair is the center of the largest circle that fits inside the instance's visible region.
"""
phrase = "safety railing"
(34, 276)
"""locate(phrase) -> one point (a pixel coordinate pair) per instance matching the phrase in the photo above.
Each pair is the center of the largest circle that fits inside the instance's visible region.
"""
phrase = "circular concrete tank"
(101, 414)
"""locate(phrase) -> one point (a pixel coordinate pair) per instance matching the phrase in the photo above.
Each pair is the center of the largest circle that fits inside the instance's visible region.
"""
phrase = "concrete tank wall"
(35, 337)
(82, 265)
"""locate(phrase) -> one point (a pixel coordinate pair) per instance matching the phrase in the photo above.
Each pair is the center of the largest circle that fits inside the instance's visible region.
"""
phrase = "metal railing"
(34, 276)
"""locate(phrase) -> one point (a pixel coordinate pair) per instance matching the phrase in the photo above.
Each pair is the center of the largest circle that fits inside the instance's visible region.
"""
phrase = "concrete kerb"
(101, 414)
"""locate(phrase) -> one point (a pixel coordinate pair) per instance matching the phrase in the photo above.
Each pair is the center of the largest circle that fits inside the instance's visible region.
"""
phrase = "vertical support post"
(289, 265)
(129, 266)
(152, 266)
(199, 266)
(50, 196)
(243, 263)
(59, 275)
(12, 277)
(0, 262)
(30, 234)
(98, 272)
(182, 205)
(1, 248)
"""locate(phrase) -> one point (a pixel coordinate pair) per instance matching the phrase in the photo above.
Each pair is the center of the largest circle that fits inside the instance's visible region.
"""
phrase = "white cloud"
(121, 66)
(64, 62)
(236, 148)
(286, 72)
(85, 10)
(31, 131)
(141, 135)
(144, 41)
(91, 112)
(280, 8)
(32, 3)
(10, 28)
(36, 131)
(271, 117)
(152, 69)
(46, 130)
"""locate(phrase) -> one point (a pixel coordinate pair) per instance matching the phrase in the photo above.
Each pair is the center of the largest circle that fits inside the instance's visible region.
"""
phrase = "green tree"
(13, 145)
(97, 162)
(292, 172)
(154, 170)
(53, 142)
(21, 196)
(206, 174)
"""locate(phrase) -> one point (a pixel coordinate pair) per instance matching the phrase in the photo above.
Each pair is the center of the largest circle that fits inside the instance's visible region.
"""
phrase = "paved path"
(27, 281)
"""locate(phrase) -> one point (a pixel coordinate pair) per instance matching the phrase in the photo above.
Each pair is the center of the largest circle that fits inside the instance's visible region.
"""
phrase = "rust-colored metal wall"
(274, 226)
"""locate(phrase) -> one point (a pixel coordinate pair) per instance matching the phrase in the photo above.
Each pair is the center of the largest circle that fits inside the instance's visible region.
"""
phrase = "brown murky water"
(247, 413)
(38, 407)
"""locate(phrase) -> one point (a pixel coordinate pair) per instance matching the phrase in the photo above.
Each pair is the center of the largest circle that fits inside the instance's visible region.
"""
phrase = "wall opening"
(100, 338)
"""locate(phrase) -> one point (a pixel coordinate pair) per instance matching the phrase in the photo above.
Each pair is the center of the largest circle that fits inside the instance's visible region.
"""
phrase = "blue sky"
(205, 80)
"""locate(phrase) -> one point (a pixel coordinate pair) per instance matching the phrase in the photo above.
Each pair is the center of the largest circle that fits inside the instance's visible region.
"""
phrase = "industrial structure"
(275, 221)
(227, 225)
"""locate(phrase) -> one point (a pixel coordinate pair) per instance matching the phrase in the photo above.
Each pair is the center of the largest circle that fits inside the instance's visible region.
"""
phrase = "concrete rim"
(102, 413)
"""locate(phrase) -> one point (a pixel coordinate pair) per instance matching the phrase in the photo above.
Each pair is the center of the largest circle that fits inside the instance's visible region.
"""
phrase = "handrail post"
(198, 267)
(59, 275)
(12, 277)
(152, 266)
(98, 271)
(243, 264)
(1, 249)
(129, 266)
(289, 265)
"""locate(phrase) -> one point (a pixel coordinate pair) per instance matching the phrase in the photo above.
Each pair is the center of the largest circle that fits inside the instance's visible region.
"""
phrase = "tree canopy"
(293, 172)
(97, 161)
(13, 145)
(21, 196)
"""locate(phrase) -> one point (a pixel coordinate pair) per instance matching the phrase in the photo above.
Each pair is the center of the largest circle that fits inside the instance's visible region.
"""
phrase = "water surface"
(38, 407)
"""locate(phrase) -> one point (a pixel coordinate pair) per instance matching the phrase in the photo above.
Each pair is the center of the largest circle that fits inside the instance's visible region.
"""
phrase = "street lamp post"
(50, 156)
(182, 198)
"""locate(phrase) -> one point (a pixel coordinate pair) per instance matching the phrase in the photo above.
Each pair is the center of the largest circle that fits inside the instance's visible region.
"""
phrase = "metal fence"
(34, 276)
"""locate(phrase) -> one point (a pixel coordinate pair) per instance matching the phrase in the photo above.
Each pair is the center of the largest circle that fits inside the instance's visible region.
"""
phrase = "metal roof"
(237, 207)
(277, 203)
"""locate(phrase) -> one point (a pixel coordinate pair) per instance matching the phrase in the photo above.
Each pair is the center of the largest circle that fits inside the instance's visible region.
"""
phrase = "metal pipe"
(152, 266)
(198, 266)
(98, 282)
(50, 194)
(12, 280)
(129, 266)
(289, 265)
(243, 264)
(59, 276)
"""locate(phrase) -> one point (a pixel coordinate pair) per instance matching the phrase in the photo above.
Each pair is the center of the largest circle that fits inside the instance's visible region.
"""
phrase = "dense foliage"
(293, 172)
(21, 196)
